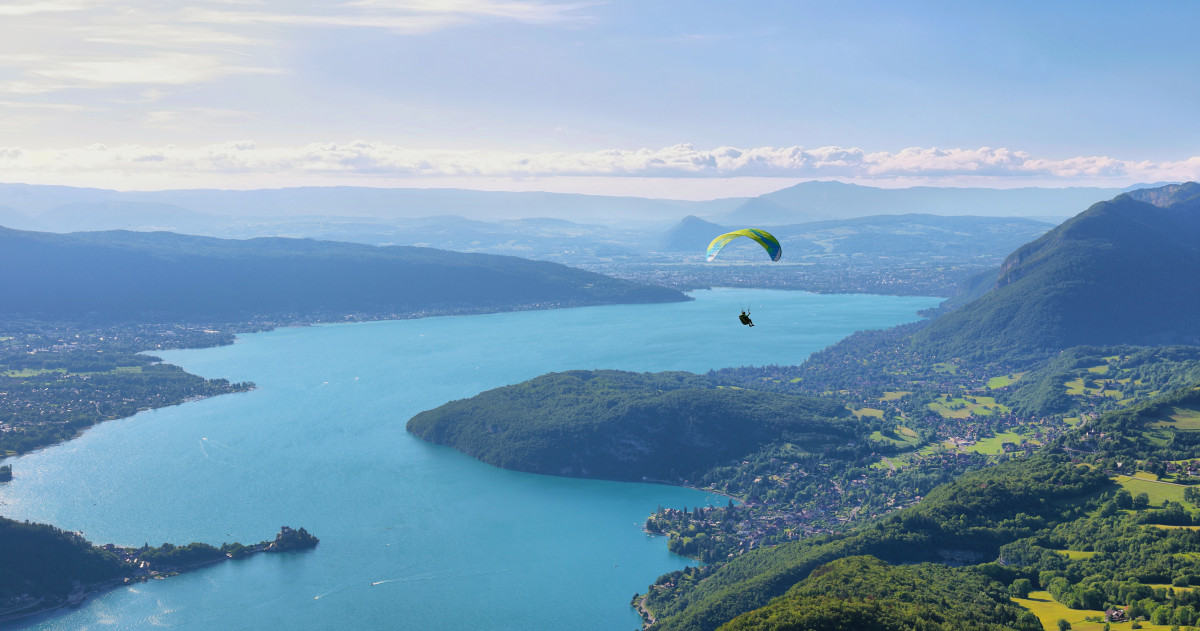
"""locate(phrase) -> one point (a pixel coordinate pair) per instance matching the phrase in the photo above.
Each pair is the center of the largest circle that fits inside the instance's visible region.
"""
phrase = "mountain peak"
(691, 234)
(1169, 195)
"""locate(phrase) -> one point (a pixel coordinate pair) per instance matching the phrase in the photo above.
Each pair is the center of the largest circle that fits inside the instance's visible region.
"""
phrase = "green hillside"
(865, 594)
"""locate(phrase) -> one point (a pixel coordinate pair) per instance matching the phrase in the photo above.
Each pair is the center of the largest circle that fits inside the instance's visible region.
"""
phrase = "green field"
(861, 412)
(1180, 418)
(902, 439)
(994, 446)
(1099, 370)
(903, 459)
(1004, 380)
(32, 372)
(1168, 586)
(1075, 387)
(999, 382)
(1158, 491)
(1049, 611)
(894, 395)
(965, 406)
(946, 367)
(1076, 555)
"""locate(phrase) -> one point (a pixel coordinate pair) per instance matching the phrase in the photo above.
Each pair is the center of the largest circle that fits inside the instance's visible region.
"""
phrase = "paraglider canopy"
(764, 238)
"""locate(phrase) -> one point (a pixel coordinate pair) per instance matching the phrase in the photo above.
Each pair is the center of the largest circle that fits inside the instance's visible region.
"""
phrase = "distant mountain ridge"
(37, 201)
(68, 209)
(1121, 272)
(123, 275)
(816, 200)
(933, 237)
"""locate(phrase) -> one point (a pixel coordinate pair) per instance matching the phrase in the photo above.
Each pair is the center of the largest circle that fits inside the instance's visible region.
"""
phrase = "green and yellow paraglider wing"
(764, 238)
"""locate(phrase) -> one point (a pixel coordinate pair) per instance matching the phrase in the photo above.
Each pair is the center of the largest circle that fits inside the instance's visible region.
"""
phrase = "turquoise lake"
(413, 536)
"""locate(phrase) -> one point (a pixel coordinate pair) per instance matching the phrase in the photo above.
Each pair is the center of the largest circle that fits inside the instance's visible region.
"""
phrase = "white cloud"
(192, 117)
(34, 105)
(30, 8)
(161, 69)
(375, 160)
(401, 16)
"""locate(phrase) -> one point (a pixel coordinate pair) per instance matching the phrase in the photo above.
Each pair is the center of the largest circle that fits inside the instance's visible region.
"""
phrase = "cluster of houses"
(1190, 468)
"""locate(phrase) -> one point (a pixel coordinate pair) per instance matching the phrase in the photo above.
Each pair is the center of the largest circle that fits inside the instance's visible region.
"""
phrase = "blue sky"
(688, 99)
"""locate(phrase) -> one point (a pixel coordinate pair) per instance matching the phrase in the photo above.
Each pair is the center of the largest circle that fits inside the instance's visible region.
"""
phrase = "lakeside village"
(786, 501)
(150, 563)
(947, 422)
(57, 379)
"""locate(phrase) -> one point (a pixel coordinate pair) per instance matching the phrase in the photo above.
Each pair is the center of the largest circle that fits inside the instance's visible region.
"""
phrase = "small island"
(59, 568)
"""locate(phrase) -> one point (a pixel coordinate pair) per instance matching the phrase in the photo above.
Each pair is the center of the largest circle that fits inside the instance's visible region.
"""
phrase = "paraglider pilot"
(745, 318)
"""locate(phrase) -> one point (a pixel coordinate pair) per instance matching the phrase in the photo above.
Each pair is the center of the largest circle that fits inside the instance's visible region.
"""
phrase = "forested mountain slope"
(162, 276)
(1118, 273)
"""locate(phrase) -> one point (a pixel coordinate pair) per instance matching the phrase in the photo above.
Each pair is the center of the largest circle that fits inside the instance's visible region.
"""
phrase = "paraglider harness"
(745, 318)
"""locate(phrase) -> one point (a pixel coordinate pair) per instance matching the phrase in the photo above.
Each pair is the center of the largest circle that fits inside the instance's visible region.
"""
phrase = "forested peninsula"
(627, 426)
(43, 568)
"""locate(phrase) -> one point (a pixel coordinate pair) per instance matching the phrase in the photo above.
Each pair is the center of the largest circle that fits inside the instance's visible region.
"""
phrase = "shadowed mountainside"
(124, 275)
(1111, 275)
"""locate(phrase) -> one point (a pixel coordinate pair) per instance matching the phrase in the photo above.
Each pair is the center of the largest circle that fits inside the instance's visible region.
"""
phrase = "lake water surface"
(413, 536)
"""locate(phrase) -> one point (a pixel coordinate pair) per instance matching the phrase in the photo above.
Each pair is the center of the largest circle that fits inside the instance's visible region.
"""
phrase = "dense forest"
(866, 594)
(42, 560)
(627, 426)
